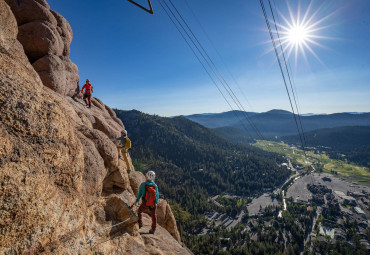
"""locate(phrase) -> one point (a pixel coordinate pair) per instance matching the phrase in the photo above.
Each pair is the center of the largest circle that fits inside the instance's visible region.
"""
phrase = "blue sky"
(139, 61)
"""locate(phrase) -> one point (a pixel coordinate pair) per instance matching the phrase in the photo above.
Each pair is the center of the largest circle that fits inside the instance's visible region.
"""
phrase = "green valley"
(319, 160)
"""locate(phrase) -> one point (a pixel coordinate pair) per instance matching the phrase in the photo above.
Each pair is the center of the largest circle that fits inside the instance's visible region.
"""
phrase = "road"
(277, 190)
(265, 200)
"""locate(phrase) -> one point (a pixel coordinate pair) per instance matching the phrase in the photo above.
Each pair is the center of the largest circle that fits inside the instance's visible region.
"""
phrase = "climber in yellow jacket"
(123, 147)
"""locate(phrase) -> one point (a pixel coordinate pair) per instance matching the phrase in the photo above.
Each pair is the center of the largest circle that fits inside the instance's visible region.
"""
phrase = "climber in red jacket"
(88, 91)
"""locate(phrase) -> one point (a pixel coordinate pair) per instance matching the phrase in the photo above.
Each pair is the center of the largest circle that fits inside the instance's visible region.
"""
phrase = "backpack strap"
(146, 190)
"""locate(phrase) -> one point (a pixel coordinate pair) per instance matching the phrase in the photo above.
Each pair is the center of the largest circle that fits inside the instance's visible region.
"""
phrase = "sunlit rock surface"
(61, 182)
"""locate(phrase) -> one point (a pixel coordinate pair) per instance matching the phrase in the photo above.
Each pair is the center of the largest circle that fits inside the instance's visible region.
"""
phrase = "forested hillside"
(353, 142)
(234, 135)
(193, 163)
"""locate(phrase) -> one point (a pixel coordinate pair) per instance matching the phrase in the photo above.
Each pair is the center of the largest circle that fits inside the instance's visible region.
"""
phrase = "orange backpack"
(150, 195)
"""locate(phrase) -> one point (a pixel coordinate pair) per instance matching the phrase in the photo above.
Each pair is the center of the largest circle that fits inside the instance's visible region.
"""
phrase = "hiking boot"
(151, 231)
(140, 225)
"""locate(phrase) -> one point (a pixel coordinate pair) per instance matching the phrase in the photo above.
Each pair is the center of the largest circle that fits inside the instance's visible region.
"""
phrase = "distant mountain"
(277, 111)
(356, 112)
(217, 120)
(340, 138)
(310, 114)
(193, 162)
(352, 141)
(279, 122)
(313, 114)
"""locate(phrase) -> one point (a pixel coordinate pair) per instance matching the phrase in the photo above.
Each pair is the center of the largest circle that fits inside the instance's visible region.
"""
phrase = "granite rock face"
(8, 24)
(46, 37)
(167, 220)
(62, 185)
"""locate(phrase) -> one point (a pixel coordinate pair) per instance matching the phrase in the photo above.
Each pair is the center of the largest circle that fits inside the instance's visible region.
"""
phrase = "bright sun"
(298, 34)
(301, 32)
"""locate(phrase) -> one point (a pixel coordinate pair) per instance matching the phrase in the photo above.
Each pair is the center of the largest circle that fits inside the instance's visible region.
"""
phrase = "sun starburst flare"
(299, 34)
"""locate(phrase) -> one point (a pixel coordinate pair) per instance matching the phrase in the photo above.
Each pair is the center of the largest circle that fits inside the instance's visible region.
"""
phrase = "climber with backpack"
(122, 148)
(149, 194)
(88, 92)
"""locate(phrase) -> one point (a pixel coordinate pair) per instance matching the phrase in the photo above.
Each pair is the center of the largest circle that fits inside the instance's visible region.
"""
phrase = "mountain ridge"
(269, 111)
(280, 122)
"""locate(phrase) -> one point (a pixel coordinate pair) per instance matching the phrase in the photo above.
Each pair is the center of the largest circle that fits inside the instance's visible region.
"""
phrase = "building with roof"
(359, 210)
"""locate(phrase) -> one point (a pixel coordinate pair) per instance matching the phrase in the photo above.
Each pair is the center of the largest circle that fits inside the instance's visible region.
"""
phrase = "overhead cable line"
(198, 58)
(287, 71)
(282, 71)
(213, 67)
(294, 86)
(218, 53)
(209, 62)
(204, 67)
(224, 83)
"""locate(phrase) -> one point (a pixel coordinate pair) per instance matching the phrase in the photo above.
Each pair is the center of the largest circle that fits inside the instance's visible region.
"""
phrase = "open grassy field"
(348, 171)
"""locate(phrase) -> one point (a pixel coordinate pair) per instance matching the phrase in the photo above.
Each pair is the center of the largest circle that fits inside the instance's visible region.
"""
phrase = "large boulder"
(167, 220)
(65, 31)
(106, 148)
(43, 3)
(30, 10)
(40, 38)
(161, 242)
(14, 49)
(46, 37)
(8, 25)
(136, 178)
(118, 211)
(58, 73)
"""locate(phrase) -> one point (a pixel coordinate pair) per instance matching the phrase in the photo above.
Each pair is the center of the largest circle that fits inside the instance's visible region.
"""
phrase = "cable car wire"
(287, 71)
(282, 71)
(210, 63)
(218, 53)
(204, 67)
(294, 89)
(213, 66)
(225, 83)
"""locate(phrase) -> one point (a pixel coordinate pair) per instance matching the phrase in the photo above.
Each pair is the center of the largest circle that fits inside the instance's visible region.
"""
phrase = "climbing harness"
(142, 7)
